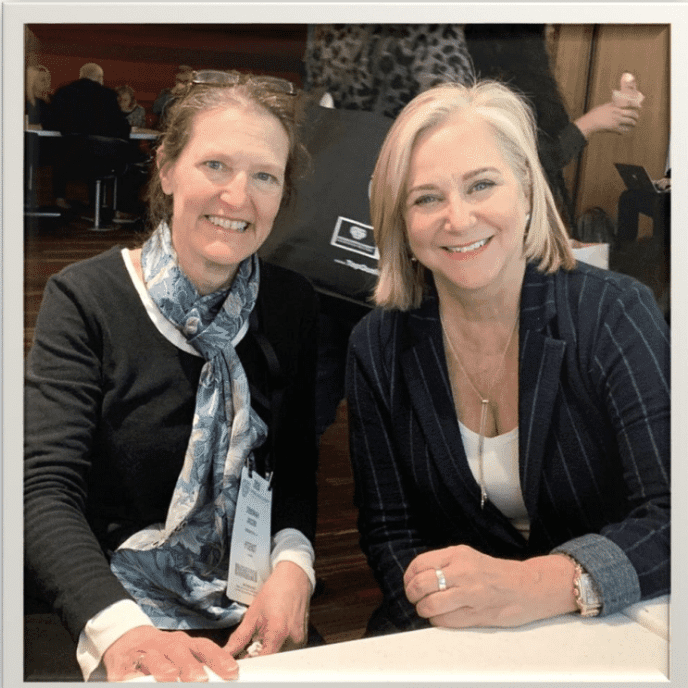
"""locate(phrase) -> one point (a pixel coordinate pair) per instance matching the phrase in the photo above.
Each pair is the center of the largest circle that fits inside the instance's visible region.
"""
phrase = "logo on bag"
(356, 237)
(358, 233)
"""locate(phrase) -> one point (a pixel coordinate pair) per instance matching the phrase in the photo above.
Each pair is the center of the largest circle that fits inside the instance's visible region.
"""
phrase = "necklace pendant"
(483, 497)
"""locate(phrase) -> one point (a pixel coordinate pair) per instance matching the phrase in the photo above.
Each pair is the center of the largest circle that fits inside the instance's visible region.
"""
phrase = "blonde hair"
(402, 282)
(33, 72)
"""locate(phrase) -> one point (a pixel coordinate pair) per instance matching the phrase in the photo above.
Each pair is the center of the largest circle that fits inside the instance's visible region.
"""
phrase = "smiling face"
(226, 189)
(465, 211)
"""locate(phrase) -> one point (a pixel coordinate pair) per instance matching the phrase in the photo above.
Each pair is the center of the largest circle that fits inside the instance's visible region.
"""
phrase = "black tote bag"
(325, 232)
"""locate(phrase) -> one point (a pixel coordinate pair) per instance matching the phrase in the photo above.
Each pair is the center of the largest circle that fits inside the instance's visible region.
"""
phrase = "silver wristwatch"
(587, 598)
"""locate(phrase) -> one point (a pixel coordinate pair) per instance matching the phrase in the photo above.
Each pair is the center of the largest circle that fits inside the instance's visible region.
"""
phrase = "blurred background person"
(37, 111)
(181, 79)
(135, 113)
(84, 106)
(134, 180)
(87, 106)
(38, 95)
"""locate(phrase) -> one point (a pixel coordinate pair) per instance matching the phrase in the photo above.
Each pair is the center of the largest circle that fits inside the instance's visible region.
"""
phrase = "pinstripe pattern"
(593, 438)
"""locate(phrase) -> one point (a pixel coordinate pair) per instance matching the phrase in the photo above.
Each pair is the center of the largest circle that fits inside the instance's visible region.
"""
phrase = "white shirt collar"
(164, 326)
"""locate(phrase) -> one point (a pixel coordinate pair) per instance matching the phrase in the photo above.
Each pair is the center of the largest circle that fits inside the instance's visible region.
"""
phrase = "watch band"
(587, 598)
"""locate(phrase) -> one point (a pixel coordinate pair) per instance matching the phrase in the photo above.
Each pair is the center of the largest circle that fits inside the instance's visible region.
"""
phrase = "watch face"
(588, 595)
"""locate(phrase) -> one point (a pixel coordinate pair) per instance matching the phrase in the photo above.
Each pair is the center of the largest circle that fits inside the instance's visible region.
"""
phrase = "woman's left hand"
(279, 613)
(486, 591)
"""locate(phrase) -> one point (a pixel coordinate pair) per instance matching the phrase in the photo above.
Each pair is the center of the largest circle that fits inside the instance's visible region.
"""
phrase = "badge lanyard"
(249, 557)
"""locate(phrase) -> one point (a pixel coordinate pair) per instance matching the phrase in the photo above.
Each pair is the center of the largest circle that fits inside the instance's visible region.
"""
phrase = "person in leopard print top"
(381, 67)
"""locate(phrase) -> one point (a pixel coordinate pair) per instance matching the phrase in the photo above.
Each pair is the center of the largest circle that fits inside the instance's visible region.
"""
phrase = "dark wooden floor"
(346, 593)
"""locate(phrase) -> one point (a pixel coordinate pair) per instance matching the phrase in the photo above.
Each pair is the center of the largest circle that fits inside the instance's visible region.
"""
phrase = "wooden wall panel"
(571, 54)
(643, 50)
(570, 64)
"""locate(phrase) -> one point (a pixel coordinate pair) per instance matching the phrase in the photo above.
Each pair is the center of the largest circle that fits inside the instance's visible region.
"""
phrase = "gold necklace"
(484, 401)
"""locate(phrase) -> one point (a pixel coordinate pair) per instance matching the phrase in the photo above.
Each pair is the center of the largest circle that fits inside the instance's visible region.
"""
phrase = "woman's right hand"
(167, 656)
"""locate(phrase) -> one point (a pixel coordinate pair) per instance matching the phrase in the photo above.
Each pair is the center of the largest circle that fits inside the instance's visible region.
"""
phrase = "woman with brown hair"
(165, 385)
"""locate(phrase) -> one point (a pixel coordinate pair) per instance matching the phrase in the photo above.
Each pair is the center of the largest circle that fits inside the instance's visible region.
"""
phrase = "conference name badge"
(249, 555)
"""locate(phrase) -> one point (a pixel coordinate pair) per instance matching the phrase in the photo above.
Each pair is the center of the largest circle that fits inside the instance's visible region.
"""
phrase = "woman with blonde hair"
(37, 94)
(509, 407)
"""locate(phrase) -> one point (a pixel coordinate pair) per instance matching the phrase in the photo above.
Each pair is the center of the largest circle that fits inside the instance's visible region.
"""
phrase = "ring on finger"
(441, 580)
(255, 648)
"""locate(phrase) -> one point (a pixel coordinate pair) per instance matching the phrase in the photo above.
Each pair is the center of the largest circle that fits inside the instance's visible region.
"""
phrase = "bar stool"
(98, 160)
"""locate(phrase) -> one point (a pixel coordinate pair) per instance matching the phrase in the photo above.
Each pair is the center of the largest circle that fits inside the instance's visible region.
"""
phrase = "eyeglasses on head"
(212, 77)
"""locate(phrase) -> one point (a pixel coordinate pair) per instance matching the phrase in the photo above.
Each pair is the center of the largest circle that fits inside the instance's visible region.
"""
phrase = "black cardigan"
(109, 404)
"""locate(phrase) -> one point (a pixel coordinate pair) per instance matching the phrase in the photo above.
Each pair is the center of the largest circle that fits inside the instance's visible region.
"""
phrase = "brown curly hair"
(204, 97)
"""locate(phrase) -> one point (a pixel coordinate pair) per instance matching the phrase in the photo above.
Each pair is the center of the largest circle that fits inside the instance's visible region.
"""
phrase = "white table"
(653, 615)
(29, 172)
(616, 648)
(613, 648)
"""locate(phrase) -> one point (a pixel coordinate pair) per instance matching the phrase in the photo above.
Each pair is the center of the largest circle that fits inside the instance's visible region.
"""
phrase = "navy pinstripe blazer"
(594, 393)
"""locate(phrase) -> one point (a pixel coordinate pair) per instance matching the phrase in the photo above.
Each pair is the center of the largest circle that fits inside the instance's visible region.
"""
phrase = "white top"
(500, 473)
(114, 621)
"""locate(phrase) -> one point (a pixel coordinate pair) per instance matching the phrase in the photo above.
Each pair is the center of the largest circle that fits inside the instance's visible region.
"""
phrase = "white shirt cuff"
(292, 545)
(114, 621)
(103, 629)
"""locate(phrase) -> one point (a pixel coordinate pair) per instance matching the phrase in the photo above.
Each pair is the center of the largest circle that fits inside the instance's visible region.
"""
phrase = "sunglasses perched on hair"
(211, 77)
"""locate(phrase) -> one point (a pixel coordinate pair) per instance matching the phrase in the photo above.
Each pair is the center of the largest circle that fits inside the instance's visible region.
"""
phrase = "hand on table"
(608, 117)
(167, 656)
(487, 591)
(278, 616)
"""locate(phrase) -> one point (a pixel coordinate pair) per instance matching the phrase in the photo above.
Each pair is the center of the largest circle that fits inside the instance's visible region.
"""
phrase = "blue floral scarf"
(177, 571)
